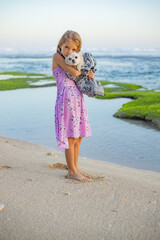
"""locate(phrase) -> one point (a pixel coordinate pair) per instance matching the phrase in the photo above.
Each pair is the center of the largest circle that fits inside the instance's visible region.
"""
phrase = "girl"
(71, 119)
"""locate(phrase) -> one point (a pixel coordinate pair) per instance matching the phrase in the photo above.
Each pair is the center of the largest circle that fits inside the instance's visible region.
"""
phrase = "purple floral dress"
(71, 118)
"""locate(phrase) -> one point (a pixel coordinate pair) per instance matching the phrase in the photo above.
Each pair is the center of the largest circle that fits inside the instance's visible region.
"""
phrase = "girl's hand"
(90, 74)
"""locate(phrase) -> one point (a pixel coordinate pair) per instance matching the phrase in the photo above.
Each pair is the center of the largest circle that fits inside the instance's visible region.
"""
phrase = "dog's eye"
(69, 58)
(76, 57)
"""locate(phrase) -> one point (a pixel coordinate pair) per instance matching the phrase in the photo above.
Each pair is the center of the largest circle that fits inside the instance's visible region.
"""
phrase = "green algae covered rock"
(17, 80)
(146, 104)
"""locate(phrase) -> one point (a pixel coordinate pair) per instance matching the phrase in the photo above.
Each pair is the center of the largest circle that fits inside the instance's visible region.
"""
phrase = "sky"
(102, 24)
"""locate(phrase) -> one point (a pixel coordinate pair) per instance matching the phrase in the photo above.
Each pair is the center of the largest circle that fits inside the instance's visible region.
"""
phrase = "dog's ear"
(81, 61)
(80, 54)
(67, 60)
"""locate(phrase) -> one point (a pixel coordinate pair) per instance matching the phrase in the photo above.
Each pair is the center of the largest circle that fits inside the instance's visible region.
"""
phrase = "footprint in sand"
(58, 166)
(6, 167)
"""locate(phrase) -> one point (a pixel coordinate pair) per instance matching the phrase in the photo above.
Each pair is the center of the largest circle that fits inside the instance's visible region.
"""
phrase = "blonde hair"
(70, 35)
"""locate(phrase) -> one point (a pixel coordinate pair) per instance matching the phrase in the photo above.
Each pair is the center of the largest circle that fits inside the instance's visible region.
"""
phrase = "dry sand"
(40, 204)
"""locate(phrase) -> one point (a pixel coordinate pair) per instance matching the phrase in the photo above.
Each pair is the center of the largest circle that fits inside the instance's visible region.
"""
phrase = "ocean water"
(135, 66)
(28, 114)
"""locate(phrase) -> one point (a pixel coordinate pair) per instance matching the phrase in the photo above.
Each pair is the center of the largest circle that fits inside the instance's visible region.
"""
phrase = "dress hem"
(67, 141)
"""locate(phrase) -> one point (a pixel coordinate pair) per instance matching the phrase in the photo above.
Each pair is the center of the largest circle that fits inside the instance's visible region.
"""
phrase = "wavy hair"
(70, 35)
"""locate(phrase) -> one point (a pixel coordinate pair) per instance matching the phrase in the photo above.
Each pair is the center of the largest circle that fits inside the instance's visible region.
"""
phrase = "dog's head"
(75, 59)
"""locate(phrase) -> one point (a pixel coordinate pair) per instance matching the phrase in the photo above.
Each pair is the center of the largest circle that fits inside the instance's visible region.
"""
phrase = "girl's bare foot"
(76, 176)
(85, 174)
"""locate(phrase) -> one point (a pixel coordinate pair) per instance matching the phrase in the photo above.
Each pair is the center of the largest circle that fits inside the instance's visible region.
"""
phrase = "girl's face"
(67, 47)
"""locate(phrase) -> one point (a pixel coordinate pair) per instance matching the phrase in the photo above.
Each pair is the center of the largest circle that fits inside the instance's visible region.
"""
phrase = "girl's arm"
(58, 60)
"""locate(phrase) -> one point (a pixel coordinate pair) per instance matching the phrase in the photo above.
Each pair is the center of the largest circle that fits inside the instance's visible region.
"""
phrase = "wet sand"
(39, 203)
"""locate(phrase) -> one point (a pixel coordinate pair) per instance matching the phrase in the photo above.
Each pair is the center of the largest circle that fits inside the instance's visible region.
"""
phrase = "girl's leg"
(76, 151)
(76, 155)
(69, 154)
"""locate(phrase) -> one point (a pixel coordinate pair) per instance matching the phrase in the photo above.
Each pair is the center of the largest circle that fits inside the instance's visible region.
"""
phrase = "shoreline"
(39, 203)
(81, 158)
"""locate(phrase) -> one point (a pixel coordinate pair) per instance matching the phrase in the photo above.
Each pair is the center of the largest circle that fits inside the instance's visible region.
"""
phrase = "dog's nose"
(73, 61)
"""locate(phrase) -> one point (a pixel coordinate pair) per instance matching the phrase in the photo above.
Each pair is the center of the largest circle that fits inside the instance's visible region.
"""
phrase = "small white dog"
(85, 63)
(75, 59)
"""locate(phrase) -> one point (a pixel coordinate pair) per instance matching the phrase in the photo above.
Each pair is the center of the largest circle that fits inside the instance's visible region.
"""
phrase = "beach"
(39, 203)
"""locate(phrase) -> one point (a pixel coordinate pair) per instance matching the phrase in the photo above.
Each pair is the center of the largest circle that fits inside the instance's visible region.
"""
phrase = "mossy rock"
(25, 80)
(146, 104)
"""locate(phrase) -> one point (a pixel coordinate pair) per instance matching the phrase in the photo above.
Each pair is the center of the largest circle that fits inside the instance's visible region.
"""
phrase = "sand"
(38, 203)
